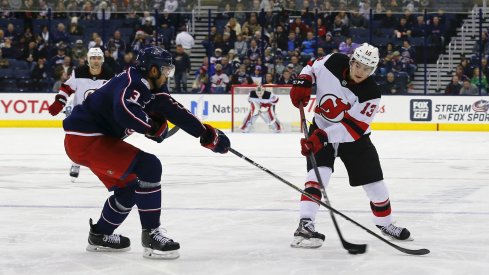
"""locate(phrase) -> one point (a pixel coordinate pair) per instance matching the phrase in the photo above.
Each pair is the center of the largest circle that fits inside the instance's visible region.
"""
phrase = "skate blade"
(73, 179)
(149, 253)
(301, 242)
(98, 248)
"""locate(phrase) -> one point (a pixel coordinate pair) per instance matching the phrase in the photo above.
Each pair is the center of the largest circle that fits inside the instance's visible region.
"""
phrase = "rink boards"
(424, 113)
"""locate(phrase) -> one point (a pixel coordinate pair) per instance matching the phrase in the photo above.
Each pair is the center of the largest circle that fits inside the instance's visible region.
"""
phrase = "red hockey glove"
(215, 140)
(159, 128)
(301, 90)
(58, 104)
(317, 141)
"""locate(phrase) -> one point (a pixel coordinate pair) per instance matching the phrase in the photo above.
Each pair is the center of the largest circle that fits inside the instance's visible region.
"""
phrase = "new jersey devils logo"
(332, 108)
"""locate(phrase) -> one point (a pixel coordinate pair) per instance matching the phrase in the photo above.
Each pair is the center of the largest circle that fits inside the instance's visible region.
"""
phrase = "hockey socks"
(148, 200)
(309, 208)
(113, 214)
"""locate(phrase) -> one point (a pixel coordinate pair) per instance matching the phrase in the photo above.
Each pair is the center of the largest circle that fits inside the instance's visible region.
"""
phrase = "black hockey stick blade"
(172, 131)
(422, 251)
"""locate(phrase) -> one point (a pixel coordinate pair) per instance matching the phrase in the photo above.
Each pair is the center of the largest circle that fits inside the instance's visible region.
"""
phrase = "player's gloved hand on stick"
(317, 141)
(58, 104)
(215, 140)
(301, 90)
(159, 128)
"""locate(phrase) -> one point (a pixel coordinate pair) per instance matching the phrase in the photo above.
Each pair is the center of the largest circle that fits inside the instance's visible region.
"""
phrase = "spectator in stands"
(468, 88)
(402, 30)
(227, 67)
(253, 52)
(329, 44)
(338, 28)
(293, 43)
(389, 21)
(11, 34)
(88, 9)
(147, 27)
(479, 81)
(268, 79)
(391, 86)
(233, 60)
(216, 58)
(45, 34)
(60, 34)
(127, 61)
(406, 47)
(308, 47)
(182, 69)
(410, 19)
(392, 5)
(79, 52)
(139, 42)
(290, 69)
(30, 53)
(75, 29)
(119, 44)
(256, 76)
(357, 20)
(67, 65)
(39, 74)
(240, 46)
(103, 11)
(459, 72)
(285, 78)
(453, 88)
(185, 39)
(171, 5)
(201, 79)
(468, 69)
(60, 76)
(96, 42)
(227, 44)
(219, 81)
(485, 45)
(167, 20)
(8, 50)
(252, 23)
(110, 61)
(436, 32)
(419, 28)
(241, 76)
(348, 46)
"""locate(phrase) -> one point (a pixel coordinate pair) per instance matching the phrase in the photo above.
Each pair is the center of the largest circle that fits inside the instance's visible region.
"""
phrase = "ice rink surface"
(232, 218)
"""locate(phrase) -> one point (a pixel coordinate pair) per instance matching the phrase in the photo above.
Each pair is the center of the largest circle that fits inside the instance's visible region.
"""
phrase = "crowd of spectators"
(248, 46)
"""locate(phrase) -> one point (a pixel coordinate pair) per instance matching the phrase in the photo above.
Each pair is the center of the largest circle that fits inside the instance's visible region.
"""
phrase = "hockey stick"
(422, 251)
(350, 247)
(172, 131)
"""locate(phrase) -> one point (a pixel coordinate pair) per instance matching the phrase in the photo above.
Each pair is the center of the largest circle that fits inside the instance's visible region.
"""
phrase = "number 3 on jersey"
(135, 96)
(369, 109)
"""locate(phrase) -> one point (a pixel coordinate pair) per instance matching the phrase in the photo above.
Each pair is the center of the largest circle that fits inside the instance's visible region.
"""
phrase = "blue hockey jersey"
(121, 107)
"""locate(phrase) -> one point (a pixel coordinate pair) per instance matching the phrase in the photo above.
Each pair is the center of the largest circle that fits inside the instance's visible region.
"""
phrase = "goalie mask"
(95, 52)
(260, 91)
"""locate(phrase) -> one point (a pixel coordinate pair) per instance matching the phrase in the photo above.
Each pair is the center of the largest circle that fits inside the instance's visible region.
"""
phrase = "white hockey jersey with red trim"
(267, 100)
(343, 109)
(82, 83)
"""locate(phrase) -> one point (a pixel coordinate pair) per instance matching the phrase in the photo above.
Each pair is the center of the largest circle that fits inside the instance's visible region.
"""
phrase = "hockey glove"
(58, 104)
(159, 128)
(317, 141)
(215, 140)
(301, 90)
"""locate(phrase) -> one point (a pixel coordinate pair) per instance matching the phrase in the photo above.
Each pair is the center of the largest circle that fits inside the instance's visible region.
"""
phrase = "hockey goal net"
(285, 112)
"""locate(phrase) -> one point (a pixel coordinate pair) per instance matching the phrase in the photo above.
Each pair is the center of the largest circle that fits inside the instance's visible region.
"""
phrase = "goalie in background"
(262, 104)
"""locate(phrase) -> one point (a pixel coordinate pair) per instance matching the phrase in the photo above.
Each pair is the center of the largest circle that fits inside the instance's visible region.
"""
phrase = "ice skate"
(98, 242)
(395, 232)
(74, 172)
(157, 246)
(306, 236)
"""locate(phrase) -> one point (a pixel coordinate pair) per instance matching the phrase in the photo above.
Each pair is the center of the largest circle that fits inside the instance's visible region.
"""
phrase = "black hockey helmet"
(154, 56)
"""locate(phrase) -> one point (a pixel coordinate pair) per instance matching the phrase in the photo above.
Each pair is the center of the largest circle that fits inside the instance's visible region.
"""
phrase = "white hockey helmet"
(366, 54)
(95, 52)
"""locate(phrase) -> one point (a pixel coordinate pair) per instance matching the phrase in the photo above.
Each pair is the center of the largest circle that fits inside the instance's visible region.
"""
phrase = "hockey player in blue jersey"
(133, 101)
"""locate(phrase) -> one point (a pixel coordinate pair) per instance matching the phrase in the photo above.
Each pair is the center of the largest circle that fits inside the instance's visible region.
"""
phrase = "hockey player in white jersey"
(262, 105)
(347, 100)
(83, 81)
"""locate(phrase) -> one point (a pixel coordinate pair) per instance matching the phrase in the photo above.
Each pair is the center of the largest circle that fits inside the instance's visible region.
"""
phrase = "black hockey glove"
(159, 128)
(215, 140)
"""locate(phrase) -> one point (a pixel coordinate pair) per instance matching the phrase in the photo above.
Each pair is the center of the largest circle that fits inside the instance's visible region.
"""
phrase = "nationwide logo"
(420, 109)
(481, 106)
